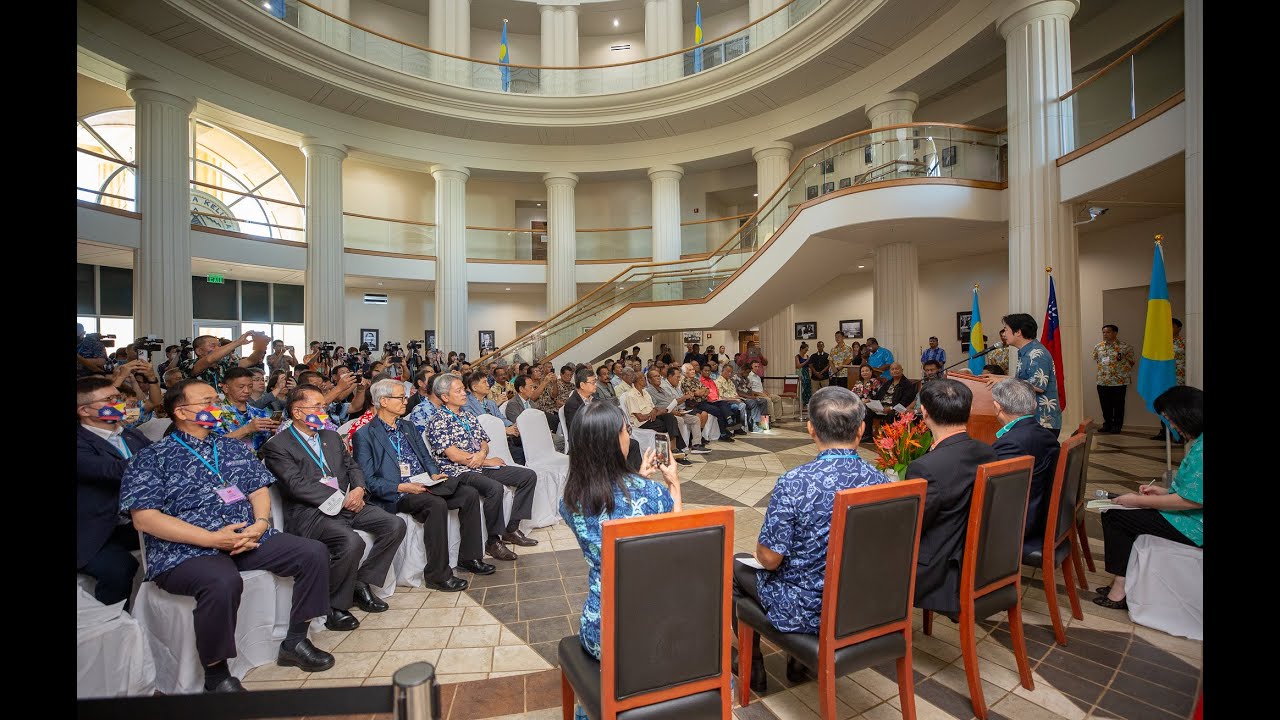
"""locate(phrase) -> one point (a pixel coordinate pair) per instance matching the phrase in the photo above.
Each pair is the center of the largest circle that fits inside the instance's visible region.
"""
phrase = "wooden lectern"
(982, 415)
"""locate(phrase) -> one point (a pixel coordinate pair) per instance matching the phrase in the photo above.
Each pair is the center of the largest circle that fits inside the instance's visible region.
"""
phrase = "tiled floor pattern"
(497, 639)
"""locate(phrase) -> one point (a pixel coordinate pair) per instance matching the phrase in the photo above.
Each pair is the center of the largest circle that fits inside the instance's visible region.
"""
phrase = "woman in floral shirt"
(867, 383)
(601, 487)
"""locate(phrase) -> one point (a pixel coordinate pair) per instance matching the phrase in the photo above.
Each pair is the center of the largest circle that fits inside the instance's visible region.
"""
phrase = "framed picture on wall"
(487, 341)
(369, 339)
(811, 192)
(806, 330)
(964, 319)
(866, 155)
(852, 329)
(949, 156)
(431, 340)
(692, 336)
(845, 182)
(828, 187)
(828, 166)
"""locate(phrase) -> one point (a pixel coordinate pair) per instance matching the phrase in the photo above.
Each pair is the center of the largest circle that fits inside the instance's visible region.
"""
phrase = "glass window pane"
(89, 322)
(247, 350)
(255, 301)
(85, 292)
(214, 301)
(122, 328)
(116, 290)
(292, 335)
(288, 305)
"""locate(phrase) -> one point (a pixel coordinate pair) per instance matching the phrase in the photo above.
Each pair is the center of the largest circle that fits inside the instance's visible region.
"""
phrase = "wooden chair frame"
(1080, 537)
(1058, 536)
(828, 643)
(614, 530)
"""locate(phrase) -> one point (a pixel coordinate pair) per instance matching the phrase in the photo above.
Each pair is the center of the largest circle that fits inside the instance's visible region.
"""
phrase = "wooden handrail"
(442, 53)
(251, 222)
(104, 194)
(505, 229)
(650, 227)
(394, 220)
(1114, 63)
(108, 158)
(247, 194)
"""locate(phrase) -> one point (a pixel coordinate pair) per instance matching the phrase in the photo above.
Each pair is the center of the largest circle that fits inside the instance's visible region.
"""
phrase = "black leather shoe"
(367, 601)
(478, 567)
(682, 461)
(759, 676)
(796, 670)
(226, 685)
(341, 620)
(498, 551)
(515, 537)
(726, 437)
(453, 584)
(306, 657)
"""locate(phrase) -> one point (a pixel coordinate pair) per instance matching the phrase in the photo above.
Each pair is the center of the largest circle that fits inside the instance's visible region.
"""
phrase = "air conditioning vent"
(375, 299)
(620, 47)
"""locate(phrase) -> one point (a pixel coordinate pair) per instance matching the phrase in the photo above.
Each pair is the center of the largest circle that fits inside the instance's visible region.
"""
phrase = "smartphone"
(662, 449)
(277, 415)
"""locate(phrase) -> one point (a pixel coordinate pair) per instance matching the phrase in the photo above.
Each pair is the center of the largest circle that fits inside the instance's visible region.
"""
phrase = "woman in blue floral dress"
(601, 487)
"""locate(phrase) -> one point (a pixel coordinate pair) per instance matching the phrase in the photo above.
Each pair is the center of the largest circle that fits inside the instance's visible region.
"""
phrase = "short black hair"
(933, 362)
(309, 377)
(236, 373)
(297, 394)
(1021, 323)
(993, 369)
(520, 382)
(948, 401)
(89, 385)
(175, 395)
(1113, 328)
(1177, 322)
(175, 347)
(602, 368)
(836, 414)
(426, 372)
(1184, 406)
(872, 340)
(582, 376)
(472, 378)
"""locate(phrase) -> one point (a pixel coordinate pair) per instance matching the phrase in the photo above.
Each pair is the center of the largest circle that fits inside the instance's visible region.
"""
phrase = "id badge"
(333, 505)
(404, 470)
(330, 480)
(230, 494)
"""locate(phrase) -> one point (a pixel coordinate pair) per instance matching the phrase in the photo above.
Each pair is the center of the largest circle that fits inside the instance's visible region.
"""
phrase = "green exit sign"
(215, 279)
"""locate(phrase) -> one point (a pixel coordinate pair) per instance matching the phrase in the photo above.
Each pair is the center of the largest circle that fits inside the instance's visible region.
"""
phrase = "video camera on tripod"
(106, 340)
(148, 344)
(393, 352)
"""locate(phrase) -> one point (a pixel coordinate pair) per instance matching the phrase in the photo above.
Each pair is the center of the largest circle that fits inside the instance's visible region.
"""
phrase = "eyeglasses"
(396, 397)
(110, 401)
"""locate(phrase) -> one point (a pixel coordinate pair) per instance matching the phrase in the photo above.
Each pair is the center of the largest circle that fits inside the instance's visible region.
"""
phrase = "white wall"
(392, 21)
(594, 49)
(370, 189)
(947, 288)
(409, 314)
(522, 48)
(713, 26)
(847, 297)
(493, 204)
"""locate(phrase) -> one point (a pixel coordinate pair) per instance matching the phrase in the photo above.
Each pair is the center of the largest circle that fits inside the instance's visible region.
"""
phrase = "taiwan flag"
(1051, 338)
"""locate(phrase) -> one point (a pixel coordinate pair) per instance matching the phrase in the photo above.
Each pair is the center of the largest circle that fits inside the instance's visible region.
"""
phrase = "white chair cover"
(455, 526)
(646, 439)
(563, 428)
(502, 409)
(497, 431)
(535, 435)
(154, 428)
(113, 657)
(346, 427)
(710, 431)
(1164, 586)
(546, 495)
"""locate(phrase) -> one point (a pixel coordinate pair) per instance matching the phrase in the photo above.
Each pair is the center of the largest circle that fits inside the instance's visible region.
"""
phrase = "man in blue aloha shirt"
(881, 358)
(793, 540)
(1035, 365)
(238, 419)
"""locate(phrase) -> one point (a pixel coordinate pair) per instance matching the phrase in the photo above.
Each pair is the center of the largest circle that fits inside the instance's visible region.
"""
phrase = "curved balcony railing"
(527, 79)
(632, 244)
(388, 236)
(914, 153)
(1140, 83)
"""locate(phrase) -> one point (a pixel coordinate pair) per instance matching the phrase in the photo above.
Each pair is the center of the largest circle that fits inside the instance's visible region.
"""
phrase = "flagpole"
(1168, 432)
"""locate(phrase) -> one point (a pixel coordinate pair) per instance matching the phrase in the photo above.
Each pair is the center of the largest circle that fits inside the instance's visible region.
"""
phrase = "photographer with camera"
(356, 401)
(91, 353)
(277, 394)
(171, 360)
(212, 360)
(282, 356)
(138, 379)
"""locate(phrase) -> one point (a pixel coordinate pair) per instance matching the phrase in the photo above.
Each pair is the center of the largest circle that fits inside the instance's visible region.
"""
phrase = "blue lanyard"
(395, 444)
(461, 419)
(839, 457)
(320, 462)
(124, 448)
(215, 468)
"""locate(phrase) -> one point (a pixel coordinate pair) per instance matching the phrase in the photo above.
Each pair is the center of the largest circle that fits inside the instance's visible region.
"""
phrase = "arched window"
(234, 186)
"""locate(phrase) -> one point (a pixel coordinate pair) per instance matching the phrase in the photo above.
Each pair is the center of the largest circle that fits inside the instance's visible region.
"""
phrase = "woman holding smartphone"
(278, 388)
(601, 487)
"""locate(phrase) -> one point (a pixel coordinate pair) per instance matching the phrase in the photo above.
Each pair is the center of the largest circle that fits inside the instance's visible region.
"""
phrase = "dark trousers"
(635, 457)
(722, 414)
(1111, 398)
(489, 481)
(338, 533)
(1120, 528)
(666, 423)
(744, 585)
(433, 512)
(114, 567)
(214, 581)
(553, 420)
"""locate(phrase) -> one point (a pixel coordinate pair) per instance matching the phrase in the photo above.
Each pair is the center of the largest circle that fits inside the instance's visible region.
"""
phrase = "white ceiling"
(1155, 192)
(594, 18)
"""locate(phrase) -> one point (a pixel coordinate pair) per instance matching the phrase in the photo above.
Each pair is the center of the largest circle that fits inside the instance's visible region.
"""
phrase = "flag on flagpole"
(1051, 339)
(504, 57)
(697, 37)
(1157, 371)
(976, 346)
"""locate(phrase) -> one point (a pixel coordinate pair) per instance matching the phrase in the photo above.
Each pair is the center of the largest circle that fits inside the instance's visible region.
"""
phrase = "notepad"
(1104, 505)
(750, 562)
(875, 406)
(899, 409)
(425, 479)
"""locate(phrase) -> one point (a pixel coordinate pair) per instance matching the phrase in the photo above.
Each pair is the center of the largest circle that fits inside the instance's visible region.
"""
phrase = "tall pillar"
(778, 344)
(562, 231)
(459, 12)
(558, 44)
(666, 223)
(1038, 55)
(437, 29)
(895, 302)
(1193, 318)
(773, 165)
(451, 257)
(893, 108)
(323, 302)
(162, 269)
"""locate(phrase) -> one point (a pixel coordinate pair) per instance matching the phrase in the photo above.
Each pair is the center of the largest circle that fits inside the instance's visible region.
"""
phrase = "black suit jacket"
(99, 467)
(1028, 437)
(904, 395)
(950, 469)
(571, 408)
(380, 463)
(299, 477)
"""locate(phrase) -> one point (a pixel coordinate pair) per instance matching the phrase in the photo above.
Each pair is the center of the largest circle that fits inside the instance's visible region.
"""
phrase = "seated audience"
(202, 501)
(421, 387)
(480, 403)
(604, 385)
(522, 401)
(212, 360)
(324, 499)
(641, 412)
(666, 397)
(1175, 513)
(773, 404)
(950, 467)
(277, 394)
(104, 543)
(602, 486)
(1015, 403)
(696, 393)
(585, 392)
(390, 453)
(259, 386)
(501, 389)
(748, 408)
(733, 409)
(546, 394)
(899, 390)
(792, 546)
(238, 419)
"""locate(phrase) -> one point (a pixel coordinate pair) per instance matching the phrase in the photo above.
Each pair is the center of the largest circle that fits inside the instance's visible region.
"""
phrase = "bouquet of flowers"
(901, 441)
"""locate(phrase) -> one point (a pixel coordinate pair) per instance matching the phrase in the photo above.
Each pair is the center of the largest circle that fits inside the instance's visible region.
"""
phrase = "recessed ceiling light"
(615, 22)
(755, 194)
(508, 288)
(539, 204)
(379, 284)
(266, 5)
(861, 266)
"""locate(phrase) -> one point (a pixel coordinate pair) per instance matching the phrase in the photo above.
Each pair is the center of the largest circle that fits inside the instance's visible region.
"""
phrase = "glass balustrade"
(526, 78)
(485, 243)
(384, 235)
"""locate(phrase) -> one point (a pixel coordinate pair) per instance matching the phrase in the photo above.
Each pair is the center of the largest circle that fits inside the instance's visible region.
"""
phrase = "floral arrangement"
(901, 441)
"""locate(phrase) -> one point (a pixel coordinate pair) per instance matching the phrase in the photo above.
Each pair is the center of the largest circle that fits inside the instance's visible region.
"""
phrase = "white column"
(162, 268)
(666, 223)
(569, 38)
(562, 234)
(773, 164)
(1193, 318)
(547, 40)
(451, 257)
(1038, 56)
(893, 108)
(460, 14)
(653, 27)
(437, 25)
(894, 304)
(323, 302)
(778, 343)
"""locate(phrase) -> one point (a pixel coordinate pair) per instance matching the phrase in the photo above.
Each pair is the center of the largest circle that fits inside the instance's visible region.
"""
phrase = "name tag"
(404, 470)
(230, 494)
(333, 505)
(237, 463)
(330, 481)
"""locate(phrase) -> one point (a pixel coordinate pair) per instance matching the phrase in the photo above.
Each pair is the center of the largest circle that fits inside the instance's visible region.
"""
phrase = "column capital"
(666, 172)
(779, 148)
(555, 179)
(143, 89)
(315, 146)
(450, 172)
(898, 101)
(1017, 13)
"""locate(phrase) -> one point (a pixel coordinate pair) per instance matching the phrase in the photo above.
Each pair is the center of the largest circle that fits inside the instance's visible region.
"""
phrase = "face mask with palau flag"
(208, 416)
(318, 422)
(111, 413)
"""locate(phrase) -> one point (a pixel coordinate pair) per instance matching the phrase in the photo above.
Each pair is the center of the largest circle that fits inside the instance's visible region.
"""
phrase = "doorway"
(747, 336)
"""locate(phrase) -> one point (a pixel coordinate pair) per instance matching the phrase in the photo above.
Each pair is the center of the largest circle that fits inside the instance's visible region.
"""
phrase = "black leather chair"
(991, 574)
(870, 582)
(665, 587)
(1054, 549)
(1080, 538)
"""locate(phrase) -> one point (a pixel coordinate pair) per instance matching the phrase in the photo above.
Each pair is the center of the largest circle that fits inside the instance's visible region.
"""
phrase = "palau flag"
(697, 37)
(976, 362)
(504, 57)
(1051, 339)
(1156, 371)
